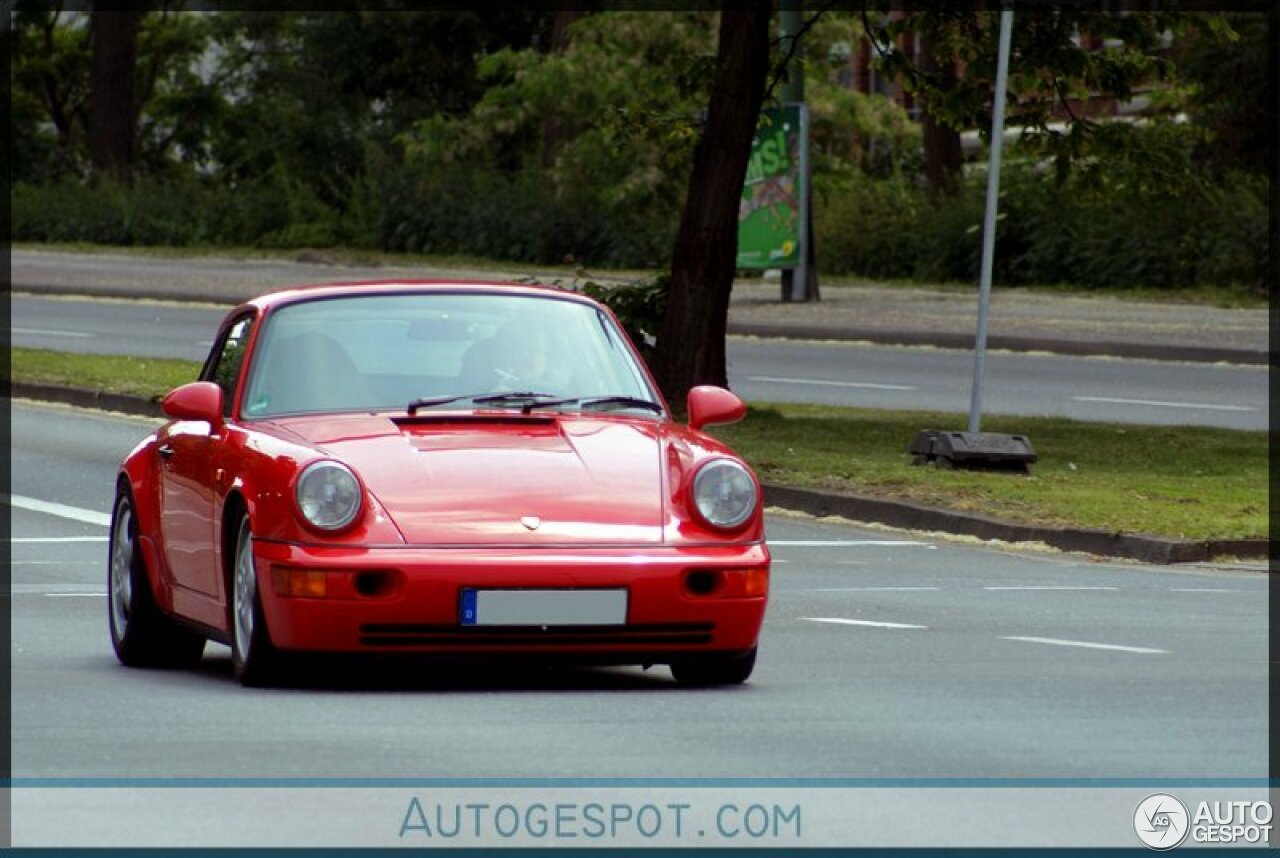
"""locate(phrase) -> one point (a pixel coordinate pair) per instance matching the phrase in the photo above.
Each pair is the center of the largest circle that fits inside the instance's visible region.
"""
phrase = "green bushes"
(150, 212)
(1100, 229)
(1113, 229)
(519, 217)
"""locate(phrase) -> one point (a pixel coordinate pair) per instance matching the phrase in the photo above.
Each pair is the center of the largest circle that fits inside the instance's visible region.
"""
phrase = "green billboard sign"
(770, 214)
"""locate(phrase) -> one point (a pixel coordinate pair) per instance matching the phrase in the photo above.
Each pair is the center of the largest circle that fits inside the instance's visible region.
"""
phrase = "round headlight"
(724, 493)
(328, 495)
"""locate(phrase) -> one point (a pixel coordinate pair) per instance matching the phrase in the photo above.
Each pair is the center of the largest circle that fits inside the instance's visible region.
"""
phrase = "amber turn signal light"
(289, 581)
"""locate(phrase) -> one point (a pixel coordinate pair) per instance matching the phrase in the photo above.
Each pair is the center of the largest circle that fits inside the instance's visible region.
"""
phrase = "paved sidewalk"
(1019, 321)
(890, 314)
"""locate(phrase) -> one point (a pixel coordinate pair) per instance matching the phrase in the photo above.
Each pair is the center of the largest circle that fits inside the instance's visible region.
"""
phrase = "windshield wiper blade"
(531, 399)
(626, 401)
(432, 401)
(513, 396)
(484, 398)
(528, 399)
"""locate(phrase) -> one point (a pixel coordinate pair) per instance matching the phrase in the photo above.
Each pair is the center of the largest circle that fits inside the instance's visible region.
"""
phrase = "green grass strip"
(149, 377)
(1173, 481)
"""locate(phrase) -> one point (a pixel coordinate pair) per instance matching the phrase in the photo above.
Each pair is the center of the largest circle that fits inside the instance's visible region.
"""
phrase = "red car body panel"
(448, 494)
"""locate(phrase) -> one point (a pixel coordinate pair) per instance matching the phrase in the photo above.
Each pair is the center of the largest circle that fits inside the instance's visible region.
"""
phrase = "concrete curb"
(82, 397)
(910, 516)
(964, 342)
(1149, 549)
(937, 339)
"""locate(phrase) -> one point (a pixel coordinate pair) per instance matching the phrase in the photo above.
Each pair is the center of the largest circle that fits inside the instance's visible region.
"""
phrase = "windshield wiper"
(432, 401)
(527, 398)
(624, 401)
(531, 399)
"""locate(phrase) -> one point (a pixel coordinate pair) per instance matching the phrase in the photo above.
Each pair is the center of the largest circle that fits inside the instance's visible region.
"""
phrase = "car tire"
(141, 634)
(702, 671)
(254, 658)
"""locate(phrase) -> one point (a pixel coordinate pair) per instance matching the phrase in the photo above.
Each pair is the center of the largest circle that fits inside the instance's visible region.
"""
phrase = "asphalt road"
(882, 655)
(1103, 389)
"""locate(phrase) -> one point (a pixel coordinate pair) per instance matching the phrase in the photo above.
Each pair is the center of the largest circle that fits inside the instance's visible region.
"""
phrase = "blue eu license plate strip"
(468, 607)
(544, 607)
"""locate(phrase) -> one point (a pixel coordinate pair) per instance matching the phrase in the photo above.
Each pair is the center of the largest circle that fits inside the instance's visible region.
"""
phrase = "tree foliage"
(542, 135)
(1052, 71)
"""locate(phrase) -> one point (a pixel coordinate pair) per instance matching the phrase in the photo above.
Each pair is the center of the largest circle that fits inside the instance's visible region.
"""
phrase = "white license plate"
(544, 607)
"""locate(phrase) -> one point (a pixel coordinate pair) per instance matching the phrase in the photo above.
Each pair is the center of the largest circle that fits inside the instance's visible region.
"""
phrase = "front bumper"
(680, 601)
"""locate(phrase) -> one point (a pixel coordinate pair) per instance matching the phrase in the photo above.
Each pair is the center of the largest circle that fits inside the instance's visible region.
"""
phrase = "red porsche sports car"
(449, 468)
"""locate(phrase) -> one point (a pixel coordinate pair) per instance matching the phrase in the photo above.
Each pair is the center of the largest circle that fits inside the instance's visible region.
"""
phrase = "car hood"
(505, 478)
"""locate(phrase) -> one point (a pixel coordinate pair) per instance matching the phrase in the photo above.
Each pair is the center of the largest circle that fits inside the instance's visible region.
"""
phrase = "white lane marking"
(74, 595)
(46, 539)
(849, 543)
(1050, 588)
(871, 623)
(864, 589)
(1202, 590)
(75, 513)
(863, 384)
(47, 333)
(1141, 650)
(1163, 404)
(53, 562)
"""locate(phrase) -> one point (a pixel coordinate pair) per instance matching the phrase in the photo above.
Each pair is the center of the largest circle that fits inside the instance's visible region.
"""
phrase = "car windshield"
(441, 349)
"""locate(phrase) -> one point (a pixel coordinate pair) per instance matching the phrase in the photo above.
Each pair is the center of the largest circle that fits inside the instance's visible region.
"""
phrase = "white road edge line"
(74, 513)
(1141, 650)
(841, 621)
(45, 333)
(47, 539)
(862, 384)
(849, 543)
(1163, 404)
(1047, 587)
(74, 595)
(864, 589)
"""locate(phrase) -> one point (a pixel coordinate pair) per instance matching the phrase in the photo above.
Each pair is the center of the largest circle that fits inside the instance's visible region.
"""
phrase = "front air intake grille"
(410, 635)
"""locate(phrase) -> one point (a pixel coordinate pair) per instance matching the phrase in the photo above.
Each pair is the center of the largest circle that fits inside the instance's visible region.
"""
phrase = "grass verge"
(1173, 481)
(147, 377)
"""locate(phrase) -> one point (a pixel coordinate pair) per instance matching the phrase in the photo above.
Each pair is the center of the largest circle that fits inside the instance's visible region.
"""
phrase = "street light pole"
(989, 220)
(799, 283)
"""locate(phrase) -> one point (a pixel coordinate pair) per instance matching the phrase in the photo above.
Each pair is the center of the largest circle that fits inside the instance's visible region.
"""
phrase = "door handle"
(166, 452)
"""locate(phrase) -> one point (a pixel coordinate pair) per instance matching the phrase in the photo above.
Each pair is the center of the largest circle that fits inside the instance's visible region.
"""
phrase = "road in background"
(1122, 391)
(883, 655)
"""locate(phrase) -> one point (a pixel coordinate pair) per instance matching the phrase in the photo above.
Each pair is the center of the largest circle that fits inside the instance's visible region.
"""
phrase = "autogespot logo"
(1161, 821)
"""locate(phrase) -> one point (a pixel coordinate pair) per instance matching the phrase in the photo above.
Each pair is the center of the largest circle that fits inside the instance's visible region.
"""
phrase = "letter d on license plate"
(544, 607)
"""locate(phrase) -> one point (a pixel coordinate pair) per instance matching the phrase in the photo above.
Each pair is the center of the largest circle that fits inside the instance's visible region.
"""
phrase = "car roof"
(318, 291)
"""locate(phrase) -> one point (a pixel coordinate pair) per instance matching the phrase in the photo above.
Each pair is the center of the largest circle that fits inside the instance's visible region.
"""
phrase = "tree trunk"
(556, 129)
(690, 348)
(943, 158)
(112, 124)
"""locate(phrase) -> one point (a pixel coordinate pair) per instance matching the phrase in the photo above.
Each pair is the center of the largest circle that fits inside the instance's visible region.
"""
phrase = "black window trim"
(207, 372)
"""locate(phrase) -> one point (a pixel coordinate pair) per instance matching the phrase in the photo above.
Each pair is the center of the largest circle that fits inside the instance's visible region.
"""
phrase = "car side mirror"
(714, 406)
(199, 400)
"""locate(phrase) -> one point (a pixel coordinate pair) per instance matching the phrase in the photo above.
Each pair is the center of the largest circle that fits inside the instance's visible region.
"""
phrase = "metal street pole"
(989, 221)
(799, 283)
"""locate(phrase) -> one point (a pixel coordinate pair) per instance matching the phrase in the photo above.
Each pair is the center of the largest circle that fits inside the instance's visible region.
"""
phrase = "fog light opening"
(703, 582)
(373, 585)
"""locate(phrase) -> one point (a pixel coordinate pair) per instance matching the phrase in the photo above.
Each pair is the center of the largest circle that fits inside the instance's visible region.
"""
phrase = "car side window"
(226, 365)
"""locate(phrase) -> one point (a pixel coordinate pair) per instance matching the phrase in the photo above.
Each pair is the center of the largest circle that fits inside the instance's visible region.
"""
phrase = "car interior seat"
(308, 372)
